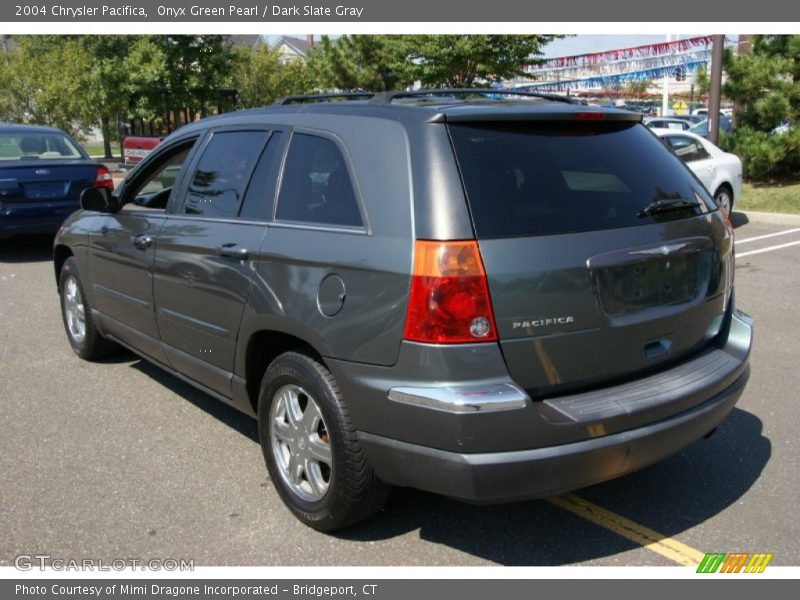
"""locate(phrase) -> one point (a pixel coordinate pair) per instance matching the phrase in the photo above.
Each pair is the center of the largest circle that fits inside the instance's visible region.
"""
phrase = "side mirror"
(97, 199)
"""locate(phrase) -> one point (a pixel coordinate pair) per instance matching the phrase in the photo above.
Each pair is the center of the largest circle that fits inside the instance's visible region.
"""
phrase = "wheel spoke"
(293, 412)
(320, 450)
(314, 476)
(283, 431)
(311, 416)
(295, 469)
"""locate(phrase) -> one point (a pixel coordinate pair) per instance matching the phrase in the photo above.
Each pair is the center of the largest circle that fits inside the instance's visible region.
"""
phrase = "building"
(292, 48)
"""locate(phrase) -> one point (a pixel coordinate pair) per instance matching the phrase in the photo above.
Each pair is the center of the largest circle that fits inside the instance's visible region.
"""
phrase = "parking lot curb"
(770, 218)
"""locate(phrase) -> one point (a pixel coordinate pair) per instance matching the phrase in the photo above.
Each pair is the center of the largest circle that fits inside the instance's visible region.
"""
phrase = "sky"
(586, 44)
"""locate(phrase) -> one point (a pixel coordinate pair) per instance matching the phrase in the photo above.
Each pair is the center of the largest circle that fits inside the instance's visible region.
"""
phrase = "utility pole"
(715, 92)
(665, 91)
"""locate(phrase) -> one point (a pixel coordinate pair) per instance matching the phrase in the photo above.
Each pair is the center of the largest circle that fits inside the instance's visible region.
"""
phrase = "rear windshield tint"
(547, 178)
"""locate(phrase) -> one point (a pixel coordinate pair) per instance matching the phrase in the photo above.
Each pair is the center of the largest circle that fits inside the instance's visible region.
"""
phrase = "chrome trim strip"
(462, 398)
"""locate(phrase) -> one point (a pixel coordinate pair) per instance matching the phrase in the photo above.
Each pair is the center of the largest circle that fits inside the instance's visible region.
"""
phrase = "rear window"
(526, 179)
(36, 146)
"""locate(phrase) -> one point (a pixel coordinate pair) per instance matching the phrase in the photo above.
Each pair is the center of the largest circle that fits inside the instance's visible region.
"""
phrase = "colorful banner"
(612, 68)
(601, 81)
(630, 53)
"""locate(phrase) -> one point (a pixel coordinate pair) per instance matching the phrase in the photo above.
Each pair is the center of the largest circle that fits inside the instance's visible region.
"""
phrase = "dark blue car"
(42, 174)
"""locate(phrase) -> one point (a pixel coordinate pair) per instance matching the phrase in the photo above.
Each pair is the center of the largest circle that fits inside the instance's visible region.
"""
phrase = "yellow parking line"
(645, 537)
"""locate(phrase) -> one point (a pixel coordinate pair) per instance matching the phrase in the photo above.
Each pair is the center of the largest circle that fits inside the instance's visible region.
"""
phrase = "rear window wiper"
(661, 206)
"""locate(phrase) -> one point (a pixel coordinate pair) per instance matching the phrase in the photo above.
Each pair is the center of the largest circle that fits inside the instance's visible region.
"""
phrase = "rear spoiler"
(471, 114)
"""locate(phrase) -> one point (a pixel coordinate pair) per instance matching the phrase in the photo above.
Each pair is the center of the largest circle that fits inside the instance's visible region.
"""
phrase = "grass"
(770, 197)
(95, 149)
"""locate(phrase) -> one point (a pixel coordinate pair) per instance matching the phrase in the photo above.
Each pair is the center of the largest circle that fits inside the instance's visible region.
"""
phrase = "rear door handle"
(233, 250)
(142, 242)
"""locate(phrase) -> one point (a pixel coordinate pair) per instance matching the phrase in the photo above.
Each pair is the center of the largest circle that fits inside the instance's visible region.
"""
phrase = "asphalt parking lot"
(119, 459)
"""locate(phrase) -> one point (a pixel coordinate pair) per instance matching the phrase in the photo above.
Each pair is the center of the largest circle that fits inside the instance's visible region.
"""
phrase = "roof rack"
(311, 98)
(384, 98)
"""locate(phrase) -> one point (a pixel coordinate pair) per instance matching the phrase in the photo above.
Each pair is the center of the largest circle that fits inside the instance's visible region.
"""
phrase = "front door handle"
(142, 242)
(233, 250)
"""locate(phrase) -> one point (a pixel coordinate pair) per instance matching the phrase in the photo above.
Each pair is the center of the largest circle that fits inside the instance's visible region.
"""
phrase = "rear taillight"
(103, 179)
(590, 116)
(449, 299)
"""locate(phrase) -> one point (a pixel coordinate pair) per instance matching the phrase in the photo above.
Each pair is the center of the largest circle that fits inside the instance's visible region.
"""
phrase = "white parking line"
(768, 235)
(769, 249)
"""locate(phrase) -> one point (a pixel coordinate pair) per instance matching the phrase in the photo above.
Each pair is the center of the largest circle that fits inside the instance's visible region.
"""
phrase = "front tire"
(311, 448)
(82, 333)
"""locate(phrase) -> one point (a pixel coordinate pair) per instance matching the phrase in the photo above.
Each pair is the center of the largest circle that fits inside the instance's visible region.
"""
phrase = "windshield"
(527, 179)
(701, 128)
(37, 146)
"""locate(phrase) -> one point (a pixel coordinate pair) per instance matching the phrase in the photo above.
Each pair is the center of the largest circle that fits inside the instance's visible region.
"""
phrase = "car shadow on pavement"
(738, 219)
(228, 415)
(26, 249)
(669, 497)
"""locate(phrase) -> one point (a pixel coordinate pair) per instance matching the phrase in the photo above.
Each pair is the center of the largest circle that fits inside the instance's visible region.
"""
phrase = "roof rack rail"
(311, 98)
(384, 98)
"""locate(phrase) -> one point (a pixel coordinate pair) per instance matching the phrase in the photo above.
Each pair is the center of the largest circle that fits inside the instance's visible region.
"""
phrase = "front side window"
(154, 189)
(316, 186)
(219, 182)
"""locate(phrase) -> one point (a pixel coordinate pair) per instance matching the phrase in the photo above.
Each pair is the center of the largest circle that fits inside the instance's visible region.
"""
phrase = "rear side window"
(219, 182)
(686, 148)
(526, 179)
(316, 186)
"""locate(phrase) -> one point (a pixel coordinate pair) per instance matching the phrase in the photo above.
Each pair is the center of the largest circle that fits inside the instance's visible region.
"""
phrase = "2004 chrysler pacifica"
(490, 296)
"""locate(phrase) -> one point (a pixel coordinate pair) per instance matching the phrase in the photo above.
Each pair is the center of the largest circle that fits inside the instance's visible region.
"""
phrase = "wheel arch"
(60, 255)
(262, 346)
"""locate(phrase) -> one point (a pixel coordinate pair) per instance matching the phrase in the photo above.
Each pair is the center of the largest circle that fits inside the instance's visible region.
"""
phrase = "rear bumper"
(541, 472)
(572, 441)
(15, 219)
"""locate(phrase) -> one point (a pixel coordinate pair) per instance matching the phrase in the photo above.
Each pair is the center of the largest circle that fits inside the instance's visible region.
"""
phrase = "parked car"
(491, 299)
(720, 171)
(691, 119)
(701, 128)
(667, 123)
(135, 148)
(42, 174)
(785, 127)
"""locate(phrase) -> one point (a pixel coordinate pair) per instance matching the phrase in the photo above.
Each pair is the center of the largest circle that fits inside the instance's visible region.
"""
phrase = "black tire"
(353, 493)
(92, 345)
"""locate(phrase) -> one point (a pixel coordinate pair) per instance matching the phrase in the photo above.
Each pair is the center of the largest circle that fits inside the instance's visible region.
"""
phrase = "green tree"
(261, 77)
(765, 85)
(467, 60)
(107, 78)
(199, 68)
(46, 81)
(383, 62)
(360, 62)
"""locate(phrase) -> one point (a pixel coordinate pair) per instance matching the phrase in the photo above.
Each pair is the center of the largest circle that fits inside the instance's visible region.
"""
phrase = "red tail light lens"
(590, 116)
(449, 300)
(103, 179)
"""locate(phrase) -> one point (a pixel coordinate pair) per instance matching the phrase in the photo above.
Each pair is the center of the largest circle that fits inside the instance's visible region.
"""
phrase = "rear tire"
(311, 448)
(724, 198)
(82, 333)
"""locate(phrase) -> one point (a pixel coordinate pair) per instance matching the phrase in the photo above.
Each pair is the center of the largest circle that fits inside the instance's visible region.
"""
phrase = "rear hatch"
(605, 257)
(34, 182)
